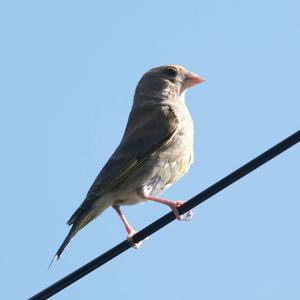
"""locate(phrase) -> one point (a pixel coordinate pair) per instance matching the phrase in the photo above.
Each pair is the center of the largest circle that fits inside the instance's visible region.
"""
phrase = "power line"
(168, 218)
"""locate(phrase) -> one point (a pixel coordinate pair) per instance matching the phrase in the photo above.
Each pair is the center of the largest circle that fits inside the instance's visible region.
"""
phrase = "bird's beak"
(191, 79)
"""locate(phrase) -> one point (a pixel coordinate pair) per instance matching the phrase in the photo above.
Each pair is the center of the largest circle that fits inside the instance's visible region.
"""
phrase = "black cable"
(166, 219)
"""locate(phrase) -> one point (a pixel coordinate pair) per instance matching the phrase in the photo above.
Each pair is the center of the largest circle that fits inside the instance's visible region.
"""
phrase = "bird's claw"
(187, 217)
(129, 239)
(134, 245)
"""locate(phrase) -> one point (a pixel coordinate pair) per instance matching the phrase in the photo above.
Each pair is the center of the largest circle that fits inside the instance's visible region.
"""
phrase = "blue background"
(68, 73)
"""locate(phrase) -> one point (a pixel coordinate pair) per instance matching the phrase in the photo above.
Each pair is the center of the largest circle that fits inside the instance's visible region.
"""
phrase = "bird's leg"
(128, 228)
(173, 205)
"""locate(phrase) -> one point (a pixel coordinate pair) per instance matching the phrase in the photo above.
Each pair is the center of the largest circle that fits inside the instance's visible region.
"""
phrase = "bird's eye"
(171, 72)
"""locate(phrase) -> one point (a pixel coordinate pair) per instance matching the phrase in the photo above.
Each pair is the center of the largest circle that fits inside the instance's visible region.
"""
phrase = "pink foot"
(131, 233)
(174, 205)
(129, 229)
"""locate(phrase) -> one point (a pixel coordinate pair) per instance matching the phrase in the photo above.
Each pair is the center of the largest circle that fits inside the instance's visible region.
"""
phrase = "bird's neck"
(172, 92)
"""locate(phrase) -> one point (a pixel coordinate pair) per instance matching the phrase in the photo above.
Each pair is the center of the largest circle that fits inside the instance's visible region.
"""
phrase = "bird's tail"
(81, 220)
(74, 229)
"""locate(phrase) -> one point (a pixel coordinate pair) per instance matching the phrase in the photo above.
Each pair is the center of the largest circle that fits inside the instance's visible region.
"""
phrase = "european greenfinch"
(155, 151)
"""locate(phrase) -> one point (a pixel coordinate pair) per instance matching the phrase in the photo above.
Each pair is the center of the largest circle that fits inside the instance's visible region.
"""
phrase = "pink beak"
(192, 79)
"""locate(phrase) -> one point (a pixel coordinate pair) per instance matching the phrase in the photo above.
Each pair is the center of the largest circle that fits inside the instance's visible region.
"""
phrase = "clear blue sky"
(68, 72)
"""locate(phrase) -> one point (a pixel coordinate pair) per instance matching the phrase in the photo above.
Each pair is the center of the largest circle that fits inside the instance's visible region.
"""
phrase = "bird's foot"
(174, 205)
(131, 233)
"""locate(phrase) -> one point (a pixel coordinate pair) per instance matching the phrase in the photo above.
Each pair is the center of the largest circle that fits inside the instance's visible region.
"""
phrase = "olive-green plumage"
(155, 151)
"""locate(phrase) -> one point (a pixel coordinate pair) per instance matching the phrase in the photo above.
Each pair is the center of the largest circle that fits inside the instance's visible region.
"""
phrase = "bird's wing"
(148, 129)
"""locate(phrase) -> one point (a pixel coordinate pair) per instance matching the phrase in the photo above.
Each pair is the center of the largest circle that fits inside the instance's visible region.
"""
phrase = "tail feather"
(62, 247)
(79, 224)
(81, 219)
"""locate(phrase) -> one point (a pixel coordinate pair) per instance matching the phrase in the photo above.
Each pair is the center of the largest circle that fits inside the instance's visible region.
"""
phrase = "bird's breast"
(175, 157)
(163, 168)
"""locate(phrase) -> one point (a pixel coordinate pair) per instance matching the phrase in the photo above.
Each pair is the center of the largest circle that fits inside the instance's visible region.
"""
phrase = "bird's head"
(166, 81)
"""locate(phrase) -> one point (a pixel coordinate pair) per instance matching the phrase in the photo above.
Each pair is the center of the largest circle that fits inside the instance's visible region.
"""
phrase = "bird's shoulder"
(152, 115)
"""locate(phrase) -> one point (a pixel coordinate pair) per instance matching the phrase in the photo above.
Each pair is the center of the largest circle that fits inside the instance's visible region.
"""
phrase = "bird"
(155, 151)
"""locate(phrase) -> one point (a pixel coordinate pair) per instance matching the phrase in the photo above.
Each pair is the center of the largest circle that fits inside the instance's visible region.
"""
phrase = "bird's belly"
(171, 165)
(152, 183)
(129, 199)
(171, 172)
(156, 174)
